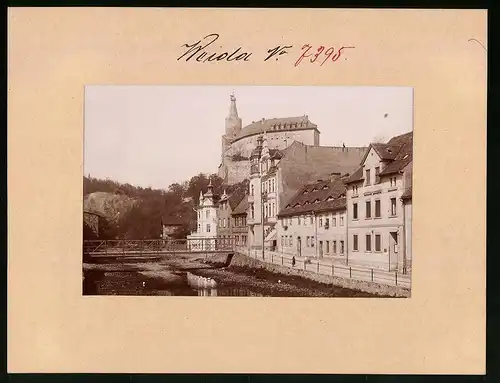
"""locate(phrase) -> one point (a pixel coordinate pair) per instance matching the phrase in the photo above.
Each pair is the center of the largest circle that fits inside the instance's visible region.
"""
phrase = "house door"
(321, 249)
(393, 250)
(299, 247)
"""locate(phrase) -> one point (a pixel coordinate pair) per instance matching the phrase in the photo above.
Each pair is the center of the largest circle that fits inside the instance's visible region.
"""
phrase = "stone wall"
(240, 260)
(235, 171)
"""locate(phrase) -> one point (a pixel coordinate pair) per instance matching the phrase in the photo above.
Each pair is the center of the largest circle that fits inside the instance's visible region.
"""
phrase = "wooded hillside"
(134, 212)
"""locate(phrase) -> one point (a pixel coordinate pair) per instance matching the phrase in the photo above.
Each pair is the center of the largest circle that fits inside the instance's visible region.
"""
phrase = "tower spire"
(233, 111)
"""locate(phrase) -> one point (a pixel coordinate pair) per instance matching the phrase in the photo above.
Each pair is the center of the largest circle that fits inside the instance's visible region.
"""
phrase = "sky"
(153, 136)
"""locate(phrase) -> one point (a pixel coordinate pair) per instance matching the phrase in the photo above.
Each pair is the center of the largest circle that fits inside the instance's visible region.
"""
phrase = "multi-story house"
(379, 206)
(206, 232)
(226, 206)
(313, 222)
(239, 224)
(276, 175)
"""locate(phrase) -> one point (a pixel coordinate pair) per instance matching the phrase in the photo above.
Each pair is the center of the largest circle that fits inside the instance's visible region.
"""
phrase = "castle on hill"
(239, 142)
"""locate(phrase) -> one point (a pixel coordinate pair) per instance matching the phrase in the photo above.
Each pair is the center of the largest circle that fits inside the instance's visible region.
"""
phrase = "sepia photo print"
(248, 191)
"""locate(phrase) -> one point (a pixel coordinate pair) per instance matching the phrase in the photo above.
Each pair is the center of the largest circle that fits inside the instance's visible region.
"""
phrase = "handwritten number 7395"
(320, 55)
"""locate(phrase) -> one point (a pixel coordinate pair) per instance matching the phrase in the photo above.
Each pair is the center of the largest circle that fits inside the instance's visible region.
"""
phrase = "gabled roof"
(316, 197)
(404, 156)
(242, 207)
(276, 124)
(235, 192)
(398, 152)
(385, 151)
(356, 176)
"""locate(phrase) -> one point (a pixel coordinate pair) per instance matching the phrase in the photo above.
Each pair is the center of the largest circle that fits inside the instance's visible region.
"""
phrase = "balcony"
(270, 220)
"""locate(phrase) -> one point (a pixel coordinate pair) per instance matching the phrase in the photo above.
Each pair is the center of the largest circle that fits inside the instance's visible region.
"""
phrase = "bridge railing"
(157, 246)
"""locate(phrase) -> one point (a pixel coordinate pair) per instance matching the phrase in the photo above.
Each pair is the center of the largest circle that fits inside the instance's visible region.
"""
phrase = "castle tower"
(233, 127)
(233, 122)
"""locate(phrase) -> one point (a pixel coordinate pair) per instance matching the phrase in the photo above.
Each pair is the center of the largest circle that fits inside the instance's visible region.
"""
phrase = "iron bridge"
(155, 247)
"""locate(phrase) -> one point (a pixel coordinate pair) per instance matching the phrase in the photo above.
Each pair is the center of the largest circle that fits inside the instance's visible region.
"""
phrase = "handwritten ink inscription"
(198, 50)
(320, 53)
(203, 51)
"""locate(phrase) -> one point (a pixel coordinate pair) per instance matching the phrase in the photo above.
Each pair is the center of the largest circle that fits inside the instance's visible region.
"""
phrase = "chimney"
(334, 176)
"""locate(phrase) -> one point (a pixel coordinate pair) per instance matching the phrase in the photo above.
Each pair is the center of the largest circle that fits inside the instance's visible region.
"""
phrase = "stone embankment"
(239, 262)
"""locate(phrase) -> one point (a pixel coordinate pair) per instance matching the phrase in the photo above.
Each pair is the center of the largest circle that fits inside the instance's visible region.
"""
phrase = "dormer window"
(316, 200)
(325, 187)
(405, 157)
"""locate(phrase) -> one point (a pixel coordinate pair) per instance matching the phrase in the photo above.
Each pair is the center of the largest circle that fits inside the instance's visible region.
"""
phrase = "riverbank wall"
(242, 261)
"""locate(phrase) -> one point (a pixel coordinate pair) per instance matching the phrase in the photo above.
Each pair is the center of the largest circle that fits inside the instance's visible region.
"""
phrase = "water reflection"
(97, 282)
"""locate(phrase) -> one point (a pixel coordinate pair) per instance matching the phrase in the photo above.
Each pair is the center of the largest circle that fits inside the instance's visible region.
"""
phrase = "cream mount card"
(55, 55)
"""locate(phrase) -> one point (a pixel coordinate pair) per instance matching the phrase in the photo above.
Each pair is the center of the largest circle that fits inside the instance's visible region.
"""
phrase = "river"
(188, 277)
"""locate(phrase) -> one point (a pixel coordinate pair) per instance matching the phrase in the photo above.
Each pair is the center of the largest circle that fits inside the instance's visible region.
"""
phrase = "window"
(207, 213)
(377, 176)
(393, 181)
(341, 220)
(321, 222)
(273, 184)
(208, 228)
(355, 242)
(251, 190)
(368, 209)
(368, 242)
(377, 208)
(355, 189)
(367, 177)
(354, 211)
(224, 222)
(312, 241)
(311, 220)
(327, 223)
(273, 211)
(327, 245)
(308, 241)
(393, 206)
(378, 243)
(334, 221)
(334, 247)
(199, 227)
(252, 208)
(341, 247)
(298, 221)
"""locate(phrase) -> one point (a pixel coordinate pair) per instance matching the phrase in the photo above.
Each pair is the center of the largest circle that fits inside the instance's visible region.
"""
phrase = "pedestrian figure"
(293, 261)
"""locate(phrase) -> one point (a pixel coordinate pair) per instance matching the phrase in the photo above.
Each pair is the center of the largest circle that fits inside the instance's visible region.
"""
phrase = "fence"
(323, 267)
(156, 246)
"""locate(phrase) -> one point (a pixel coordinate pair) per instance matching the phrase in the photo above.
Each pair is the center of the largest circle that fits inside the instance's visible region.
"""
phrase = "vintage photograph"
(264, 191)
